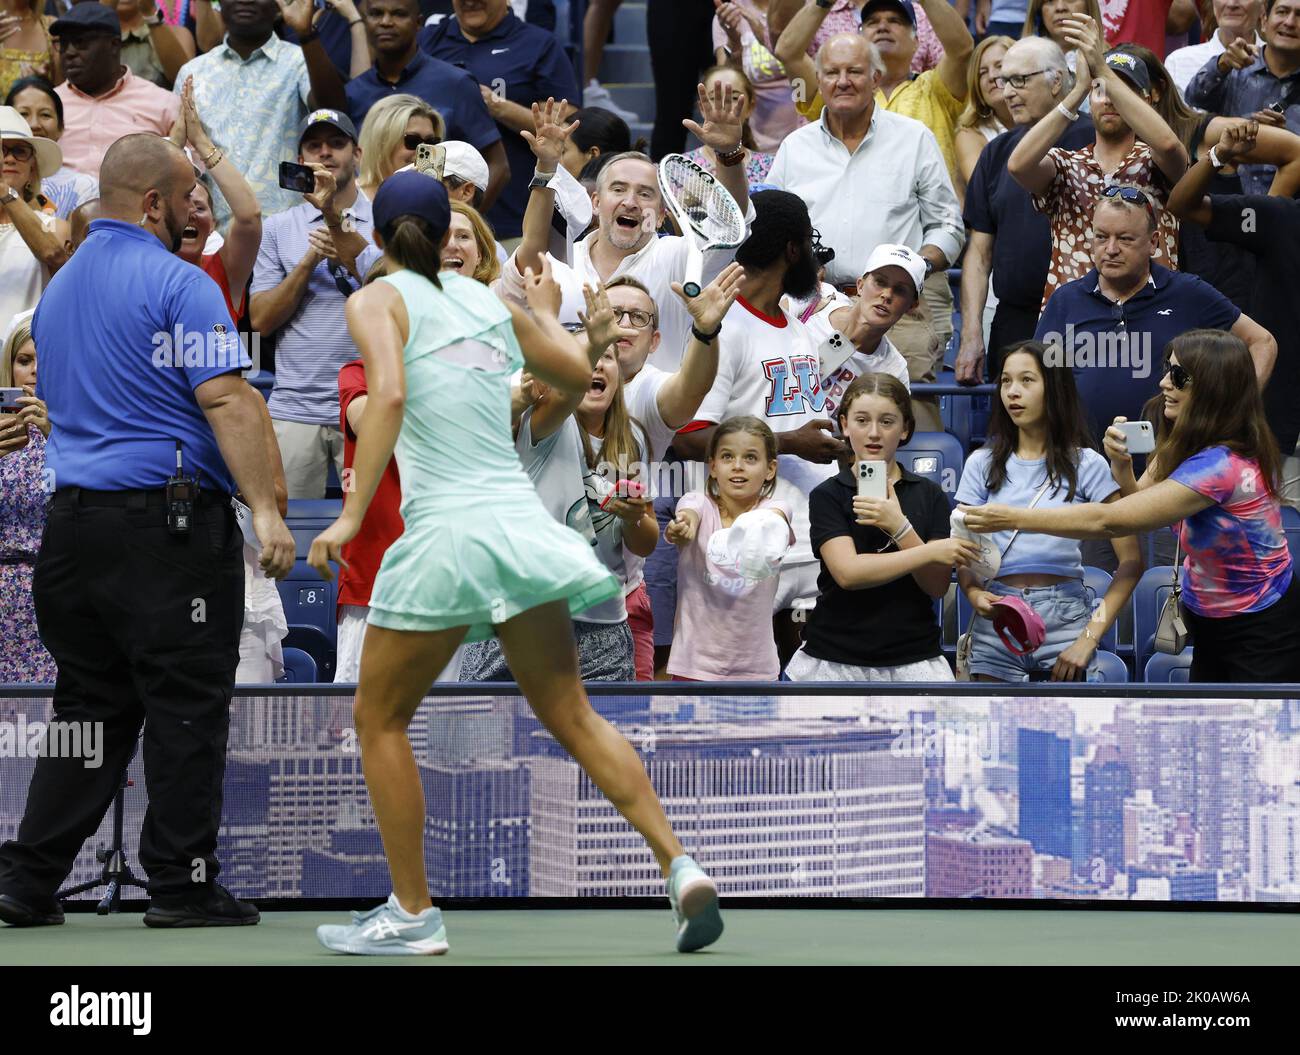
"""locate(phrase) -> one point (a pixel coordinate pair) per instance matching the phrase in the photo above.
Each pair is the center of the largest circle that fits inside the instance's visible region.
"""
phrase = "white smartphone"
(1139, 436)
(872, 480)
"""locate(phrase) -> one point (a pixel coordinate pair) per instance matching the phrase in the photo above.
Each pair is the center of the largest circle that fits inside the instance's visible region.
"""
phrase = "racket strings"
(708, 206)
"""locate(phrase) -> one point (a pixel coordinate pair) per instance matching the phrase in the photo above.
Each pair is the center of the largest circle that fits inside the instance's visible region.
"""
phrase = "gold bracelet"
(215, 152)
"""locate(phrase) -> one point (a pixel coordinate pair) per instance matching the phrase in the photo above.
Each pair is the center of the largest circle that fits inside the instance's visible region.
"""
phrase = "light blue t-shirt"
(1033, 553)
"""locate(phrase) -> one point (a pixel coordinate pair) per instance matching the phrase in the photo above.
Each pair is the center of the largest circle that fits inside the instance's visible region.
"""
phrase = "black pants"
(681, 48)
(145, 628)
(1262, 647)
(1011, 325)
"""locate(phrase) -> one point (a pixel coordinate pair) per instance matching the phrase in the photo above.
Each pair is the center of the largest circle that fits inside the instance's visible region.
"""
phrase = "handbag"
(966, 641)
(1171, 630)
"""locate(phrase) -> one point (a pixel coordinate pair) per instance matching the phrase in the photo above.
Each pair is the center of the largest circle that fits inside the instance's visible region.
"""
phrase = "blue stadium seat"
(1162, 668)
(308, 517)
(1112, 668)
(312, 641)
(299, 668)
(1099, 582)
(1148, 598)
(936, 456)
(309, 600)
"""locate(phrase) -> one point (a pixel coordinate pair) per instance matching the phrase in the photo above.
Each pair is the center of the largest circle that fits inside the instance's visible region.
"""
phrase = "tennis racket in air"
(706, 213)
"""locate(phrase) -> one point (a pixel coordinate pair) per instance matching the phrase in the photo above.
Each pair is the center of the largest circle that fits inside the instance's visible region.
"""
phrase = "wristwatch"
(9, 197)
(541, 180)
(929, 266)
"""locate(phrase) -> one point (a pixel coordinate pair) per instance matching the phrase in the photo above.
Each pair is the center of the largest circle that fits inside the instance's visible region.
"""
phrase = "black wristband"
(705, 338)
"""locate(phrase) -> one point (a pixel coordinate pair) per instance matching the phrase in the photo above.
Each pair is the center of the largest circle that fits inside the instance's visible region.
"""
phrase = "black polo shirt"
(882, 626)
(1270, 229)
(996, 204)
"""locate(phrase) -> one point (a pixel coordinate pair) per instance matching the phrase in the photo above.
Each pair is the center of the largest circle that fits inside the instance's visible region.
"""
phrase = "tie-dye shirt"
(1237, 558)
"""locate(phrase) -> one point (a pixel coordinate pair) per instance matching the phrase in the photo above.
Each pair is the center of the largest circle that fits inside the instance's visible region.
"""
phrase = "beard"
(800, 280)
(175, 226)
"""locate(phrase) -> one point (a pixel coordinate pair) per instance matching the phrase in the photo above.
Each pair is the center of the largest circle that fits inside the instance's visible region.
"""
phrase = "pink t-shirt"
(92, 124)
(723, 629)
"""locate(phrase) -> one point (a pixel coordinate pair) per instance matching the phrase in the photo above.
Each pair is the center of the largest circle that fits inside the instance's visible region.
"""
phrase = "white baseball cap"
(890, 255)
(465, 163)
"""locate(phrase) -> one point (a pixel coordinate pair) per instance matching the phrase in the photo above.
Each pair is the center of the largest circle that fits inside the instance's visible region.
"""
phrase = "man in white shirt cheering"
(768, 368)
(870, 177)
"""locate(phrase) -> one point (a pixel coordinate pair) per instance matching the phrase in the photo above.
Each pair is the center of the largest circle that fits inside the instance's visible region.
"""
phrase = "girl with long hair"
(884, 562)
(1039, 454)
(479, 555)
(757, 162)
(1215, 474)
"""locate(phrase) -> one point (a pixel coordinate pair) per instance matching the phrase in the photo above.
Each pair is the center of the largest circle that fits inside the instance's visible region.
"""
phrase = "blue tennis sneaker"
(388, 930)
(695, 905)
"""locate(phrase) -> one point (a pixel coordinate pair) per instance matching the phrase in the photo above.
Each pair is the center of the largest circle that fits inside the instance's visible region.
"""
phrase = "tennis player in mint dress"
(479, 554)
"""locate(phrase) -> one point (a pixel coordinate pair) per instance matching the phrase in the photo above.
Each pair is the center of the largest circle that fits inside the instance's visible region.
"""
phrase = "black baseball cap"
(1131, 68)
(87, 16)
(905, 6)
(334, 118)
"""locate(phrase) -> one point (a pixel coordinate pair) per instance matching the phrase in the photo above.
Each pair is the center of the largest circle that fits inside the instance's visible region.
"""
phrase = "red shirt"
(216, 271)
(383, 522)
(1136, 22)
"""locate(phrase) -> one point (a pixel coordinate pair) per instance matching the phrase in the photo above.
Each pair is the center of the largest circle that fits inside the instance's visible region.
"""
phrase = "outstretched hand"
(715, 300)
(549, 133)
(722, 110)
(601, 322)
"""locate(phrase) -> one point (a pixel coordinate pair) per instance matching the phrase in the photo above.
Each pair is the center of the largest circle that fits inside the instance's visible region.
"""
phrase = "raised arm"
(721, 109)
(791, 47)
(683, 393)
(1166, 148)
(546, 140)
(1029, 164)
(1262, 346)
(1157, 506)
(174, 44)
(326, 84)
(958, 44)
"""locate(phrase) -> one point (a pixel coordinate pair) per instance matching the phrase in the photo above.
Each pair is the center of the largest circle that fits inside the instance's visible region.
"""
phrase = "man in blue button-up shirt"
(311, 258)
(515, 65)
(1243, 82)
(142, 613)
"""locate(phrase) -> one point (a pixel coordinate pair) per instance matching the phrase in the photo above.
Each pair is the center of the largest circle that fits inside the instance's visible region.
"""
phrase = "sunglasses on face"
(20, 151)
(412, 141)
(1178, 375)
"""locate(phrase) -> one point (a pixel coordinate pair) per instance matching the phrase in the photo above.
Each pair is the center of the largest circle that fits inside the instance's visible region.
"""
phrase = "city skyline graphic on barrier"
(1150, 799)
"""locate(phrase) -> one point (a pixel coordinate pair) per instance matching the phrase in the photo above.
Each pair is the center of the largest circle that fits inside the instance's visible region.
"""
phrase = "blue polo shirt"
(996, 204)
(126, 333)
(531, 66)
(1116, 350)
(452, 92)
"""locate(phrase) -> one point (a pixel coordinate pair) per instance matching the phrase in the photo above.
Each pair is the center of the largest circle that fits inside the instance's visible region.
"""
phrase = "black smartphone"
(295, 177)
(1278, 107)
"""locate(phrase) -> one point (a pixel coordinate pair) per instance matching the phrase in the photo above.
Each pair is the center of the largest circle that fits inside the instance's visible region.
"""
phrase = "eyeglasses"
(412, 141)
(1132, 195)
(21, 151)
(1016, 80)
(1177, 374)
(638, 320)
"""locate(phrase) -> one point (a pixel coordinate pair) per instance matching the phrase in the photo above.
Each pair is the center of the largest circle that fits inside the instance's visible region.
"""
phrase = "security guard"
(139, 586)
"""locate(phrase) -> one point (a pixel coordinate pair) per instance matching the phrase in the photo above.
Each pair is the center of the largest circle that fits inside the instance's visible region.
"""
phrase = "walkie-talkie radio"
(181, 493)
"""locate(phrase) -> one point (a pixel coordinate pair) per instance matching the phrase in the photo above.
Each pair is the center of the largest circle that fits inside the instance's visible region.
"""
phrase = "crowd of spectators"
(1088, 204)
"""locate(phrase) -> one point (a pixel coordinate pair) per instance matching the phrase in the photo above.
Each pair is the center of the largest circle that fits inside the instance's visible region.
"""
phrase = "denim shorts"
(1065, 610)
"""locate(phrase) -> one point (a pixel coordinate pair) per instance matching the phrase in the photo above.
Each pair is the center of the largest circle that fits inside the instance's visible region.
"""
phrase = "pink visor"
(1018, 625)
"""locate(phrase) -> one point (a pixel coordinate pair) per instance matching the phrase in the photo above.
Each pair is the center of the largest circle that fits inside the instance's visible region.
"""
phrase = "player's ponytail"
(412, 246)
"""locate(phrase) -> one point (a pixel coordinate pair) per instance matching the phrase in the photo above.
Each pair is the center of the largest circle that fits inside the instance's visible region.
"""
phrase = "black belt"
(151, 499)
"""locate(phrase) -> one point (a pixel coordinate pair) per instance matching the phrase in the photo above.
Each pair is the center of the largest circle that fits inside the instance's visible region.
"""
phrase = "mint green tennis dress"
(478, 546)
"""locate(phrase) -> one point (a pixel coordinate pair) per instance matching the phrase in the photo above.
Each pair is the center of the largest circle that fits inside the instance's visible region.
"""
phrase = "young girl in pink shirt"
(732, 539)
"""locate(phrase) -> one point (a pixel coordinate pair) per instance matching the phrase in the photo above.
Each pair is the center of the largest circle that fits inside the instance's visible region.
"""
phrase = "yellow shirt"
(924, 98)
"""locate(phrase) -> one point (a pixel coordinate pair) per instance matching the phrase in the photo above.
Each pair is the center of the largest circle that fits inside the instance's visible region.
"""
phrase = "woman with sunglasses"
(394, 129)
(1214, 474)
(32, 239)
